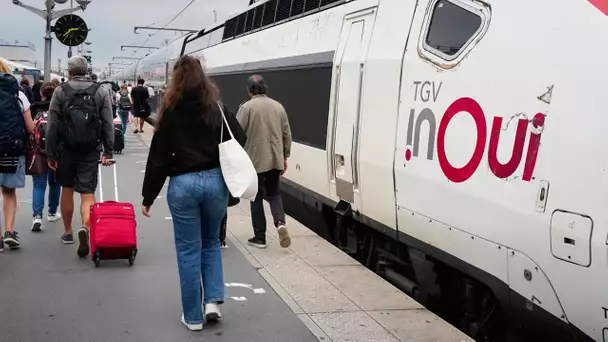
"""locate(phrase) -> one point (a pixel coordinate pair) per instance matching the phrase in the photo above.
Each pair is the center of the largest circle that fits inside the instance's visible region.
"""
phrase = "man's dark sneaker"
(37, 223)
(83, 242)
(1, 245)
(11, 239)
(67, 239)
(257, 242)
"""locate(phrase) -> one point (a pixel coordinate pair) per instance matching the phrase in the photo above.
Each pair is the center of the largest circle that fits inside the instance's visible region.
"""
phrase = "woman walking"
(185, 148)
(124, 106)
(40, 112)
(15, 112)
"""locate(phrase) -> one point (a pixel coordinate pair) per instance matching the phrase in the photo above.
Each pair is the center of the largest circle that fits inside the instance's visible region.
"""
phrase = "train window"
(283, 10)
(249, 24)
(327, 2)
(229, 28)
(297, 7)
(240, 23)
(269, 12)
(452, 25)
(312, 5)
(257, 18)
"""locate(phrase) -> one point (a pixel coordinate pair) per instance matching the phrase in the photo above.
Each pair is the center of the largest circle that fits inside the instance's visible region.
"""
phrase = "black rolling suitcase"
(119, 139)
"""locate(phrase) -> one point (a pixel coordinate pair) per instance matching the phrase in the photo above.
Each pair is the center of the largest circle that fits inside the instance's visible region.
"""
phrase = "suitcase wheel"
(97, 258)
(132, 257)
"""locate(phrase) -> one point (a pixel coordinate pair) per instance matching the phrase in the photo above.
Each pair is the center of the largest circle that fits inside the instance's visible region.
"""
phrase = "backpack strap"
(92, 91)
(68, 93)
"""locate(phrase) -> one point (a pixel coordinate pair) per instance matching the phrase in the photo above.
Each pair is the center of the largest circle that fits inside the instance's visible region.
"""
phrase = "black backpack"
(12, 124)
(125, 102)
(80, 122)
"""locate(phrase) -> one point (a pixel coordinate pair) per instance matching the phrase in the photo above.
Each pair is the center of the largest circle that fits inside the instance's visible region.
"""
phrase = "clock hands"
(69, 31)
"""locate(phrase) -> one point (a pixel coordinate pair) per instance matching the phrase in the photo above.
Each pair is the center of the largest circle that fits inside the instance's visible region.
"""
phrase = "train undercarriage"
(463, 301)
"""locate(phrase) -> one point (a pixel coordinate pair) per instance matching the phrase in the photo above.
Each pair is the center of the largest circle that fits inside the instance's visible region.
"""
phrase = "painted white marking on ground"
(239, 299)
(141, 162)
(247, 286)
(168, 218)
(142, 171)
(238, 285)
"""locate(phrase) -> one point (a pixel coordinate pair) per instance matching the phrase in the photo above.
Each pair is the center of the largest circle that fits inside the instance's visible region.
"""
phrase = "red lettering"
(533, 146)
(506, 170)
(464, 104)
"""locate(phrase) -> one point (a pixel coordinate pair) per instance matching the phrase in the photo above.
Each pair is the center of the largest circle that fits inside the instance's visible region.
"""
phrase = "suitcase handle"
(115, 182)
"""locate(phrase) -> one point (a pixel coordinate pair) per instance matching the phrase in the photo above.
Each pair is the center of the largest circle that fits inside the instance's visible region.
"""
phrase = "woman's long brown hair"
(189, 82)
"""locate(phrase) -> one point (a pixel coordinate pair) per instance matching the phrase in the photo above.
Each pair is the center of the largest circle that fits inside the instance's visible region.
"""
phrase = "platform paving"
(48, 294)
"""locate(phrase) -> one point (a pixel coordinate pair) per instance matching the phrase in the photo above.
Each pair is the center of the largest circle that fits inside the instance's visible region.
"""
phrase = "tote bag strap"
(227, 125)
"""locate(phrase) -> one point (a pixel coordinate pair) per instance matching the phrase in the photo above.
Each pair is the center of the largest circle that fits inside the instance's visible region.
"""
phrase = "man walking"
(141, 107)
(266, 125)
(79, 128)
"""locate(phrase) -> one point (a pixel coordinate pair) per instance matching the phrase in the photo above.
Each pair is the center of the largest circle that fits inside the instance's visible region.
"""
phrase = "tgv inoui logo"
(425, 90)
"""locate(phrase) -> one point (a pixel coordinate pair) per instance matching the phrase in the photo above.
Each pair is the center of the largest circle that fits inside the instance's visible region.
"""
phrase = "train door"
(348, 76)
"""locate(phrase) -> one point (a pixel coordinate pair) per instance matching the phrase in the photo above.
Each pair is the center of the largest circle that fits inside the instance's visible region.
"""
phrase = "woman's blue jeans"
(40, 182)
(198, 202)
(124, 118)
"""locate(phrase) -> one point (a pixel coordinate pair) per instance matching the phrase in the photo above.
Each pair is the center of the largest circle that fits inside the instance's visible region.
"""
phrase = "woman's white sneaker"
(193, 327)
(53, 217)
(212, 312)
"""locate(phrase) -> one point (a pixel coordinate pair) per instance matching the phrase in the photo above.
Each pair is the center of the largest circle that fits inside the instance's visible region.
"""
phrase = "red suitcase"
(113, 228)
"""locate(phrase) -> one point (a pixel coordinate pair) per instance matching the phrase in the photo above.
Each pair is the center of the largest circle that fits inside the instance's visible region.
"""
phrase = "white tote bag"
(238, 170)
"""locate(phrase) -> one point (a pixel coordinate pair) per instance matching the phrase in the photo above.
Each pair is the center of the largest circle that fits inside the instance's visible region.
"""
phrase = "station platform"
(308, 292)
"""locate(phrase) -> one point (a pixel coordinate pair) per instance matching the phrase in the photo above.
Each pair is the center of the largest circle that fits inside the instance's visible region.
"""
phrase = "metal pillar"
(49, 15)
(70, 48)
(48, 40)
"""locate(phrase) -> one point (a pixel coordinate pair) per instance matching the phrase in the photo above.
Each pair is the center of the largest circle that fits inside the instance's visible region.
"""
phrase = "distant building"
(23, 52)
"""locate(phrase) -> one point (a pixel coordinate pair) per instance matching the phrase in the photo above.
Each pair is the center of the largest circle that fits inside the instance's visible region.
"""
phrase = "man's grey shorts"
(78, 171)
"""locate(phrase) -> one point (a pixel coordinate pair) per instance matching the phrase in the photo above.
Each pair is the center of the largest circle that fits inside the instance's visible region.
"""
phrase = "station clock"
(71, 30)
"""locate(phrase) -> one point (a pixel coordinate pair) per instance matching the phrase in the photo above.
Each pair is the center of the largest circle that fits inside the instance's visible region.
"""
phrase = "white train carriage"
(154, 68)
(453, 146)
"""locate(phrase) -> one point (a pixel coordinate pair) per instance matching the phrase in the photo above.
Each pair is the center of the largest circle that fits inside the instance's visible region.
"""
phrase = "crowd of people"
(79, 134)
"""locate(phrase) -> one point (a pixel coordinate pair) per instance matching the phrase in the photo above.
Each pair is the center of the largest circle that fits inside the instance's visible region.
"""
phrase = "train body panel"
(452, 130)
(507, 172)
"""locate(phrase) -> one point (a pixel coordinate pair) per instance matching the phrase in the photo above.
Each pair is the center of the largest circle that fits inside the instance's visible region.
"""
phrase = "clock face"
(71, 30)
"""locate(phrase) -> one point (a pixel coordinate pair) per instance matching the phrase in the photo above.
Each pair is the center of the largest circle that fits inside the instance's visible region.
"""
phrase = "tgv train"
(449, 145)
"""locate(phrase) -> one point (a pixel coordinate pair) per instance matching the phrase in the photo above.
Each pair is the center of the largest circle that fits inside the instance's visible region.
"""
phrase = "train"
(34, 75)
(449, 145)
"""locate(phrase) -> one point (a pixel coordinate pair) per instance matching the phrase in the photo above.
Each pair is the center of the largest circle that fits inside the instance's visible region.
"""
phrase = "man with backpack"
(79, 129)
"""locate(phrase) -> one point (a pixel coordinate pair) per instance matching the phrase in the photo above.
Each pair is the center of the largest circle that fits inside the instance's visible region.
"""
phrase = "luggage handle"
(115, 181)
